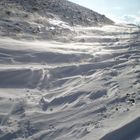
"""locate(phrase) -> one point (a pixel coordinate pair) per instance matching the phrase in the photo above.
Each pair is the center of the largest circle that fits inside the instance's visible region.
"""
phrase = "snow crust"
(85, 89)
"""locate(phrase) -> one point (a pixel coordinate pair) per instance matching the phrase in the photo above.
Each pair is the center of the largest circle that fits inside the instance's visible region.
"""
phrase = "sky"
(121, 11)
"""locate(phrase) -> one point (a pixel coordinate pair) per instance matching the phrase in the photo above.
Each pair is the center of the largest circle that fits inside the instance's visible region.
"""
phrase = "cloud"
(127, 19)
(131, 19)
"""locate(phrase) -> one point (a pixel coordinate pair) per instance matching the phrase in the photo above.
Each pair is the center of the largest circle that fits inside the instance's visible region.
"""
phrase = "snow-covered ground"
(87, 89)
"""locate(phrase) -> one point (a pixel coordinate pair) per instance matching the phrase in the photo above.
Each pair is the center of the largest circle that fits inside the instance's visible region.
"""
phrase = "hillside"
(45, 19)
(88, 89)
(67, 73)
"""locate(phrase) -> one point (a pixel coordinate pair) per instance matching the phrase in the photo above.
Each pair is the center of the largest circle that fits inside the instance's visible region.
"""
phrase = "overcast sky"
(118, 10)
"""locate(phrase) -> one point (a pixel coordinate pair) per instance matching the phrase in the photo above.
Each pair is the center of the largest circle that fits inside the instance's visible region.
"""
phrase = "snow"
(77, 90)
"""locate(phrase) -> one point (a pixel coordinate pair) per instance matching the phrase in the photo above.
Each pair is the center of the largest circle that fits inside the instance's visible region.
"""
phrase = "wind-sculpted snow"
(84, 89)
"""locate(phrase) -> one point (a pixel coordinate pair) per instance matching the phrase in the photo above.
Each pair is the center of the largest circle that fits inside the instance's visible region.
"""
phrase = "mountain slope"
(81, 90)
(45, 19)
(86, 88)
(67, 11)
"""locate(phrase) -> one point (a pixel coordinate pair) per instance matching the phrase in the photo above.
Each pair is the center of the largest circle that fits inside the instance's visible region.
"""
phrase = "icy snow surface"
(85, 89)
